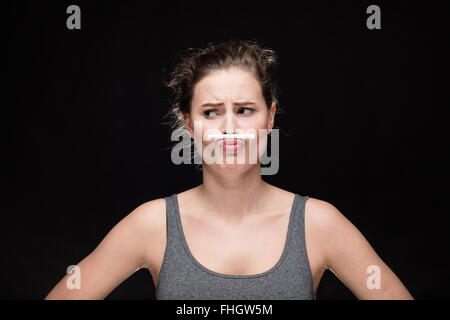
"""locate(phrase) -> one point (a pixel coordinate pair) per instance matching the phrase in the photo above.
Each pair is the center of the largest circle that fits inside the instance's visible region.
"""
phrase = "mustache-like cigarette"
(232, 136)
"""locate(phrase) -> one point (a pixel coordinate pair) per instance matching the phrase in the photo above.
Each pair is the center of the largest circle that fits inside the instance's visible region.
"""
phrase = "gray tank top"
(182, 277)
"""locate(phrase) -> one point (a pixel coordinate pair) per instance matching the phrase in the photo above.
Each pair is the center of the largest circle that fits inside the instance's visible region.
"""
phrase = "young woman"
(234, 236)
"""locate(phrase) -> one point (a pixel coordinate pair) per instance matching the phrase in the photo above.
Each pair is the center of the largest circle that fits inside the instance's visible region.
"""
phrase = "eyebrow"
(217, 104)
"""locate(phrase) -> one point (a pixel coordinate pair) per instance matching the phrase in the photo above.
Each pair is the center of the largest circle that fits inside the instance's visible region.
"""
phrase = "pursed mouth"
(232, 142)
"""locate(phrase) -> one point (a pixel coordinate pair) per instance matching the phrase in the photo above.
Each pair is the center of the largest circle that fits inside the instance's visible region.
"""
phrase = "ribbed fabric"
(182, 277)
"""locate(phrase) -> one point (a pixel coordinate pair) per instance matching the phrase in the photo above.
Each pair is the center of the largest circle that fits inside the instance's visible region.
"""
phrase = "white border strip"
(232, 136)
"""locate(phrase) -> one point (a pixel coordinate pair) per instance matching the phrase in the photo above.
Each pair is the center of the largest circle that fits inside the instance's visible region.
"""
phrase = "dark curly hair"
(196, 63)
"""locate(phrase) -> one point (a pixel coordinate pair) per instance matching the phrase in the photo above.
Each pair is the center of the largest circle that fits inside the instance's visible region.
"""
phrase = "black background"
(86, 144)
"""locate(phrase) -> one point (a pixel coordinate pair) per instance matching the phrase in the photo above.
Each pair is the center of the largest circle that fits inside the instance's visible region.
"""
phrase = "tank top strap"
(172, 235)
(296, 236)
(296, 257)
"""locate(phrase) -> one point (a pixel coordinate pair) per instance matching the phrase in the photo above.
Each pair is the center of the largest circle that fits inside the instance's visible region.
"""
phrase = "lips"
(232, 144)
(230, 141)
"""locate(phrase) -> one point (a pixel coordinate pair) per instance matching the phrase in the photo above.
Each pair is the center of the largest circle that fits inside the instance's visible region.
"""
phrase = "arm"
(346, 253)
(122, 252)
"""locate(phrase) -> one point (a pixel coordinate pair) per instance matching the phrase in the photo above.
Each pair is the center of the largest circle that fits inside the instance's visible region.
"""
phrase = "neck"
(233, 194)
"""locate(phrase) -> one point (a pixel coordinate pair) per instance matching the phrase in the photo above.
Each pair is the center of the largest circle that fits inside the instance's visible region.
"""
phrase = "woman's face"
(229, 101)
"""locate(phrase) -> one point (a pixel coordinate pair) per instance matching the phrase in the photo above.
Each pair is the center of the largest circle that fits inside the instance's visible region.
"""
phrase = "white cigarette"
(232, 136)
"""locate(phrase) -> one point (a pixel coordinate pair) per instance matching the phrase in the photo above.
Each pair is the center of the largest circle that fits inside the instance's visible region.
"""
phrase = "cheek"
(257, 122)
(209, 127)
(203, 128)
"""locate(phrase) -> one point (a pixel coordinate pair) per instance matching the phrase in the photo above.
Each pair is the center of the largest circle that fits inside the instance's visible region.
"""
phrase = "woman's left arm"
(350, 257)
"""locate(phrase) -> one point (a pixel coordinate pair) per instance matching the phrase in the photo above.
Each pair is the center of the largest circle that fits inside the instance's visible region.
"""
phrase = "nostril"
(230, 131)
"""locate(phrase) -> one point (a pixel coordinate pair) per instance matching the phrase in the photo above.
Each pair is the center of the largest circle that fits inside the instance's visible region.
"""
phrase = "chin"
(234, 167)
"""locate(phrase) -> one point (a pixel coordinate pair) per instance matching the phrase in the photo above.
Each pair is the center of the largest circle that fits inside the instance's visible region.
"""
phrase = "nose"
(230, 123)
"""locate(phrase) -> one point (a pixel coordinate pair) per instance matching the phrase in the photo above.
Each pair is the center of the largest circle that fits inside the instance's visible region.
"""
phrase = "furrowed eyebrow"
(244, 103)
(217, 104)
(211, 104)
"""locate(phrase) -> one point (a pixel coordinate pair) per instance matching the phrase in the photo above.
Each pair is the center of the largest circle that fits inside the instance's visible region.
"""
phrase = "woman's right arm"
(124, 250)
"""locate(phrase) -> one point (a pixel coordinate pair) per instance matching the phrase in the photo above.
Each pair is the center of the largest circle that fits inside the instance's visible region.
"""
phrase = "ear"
(271, 118)
(188, 123)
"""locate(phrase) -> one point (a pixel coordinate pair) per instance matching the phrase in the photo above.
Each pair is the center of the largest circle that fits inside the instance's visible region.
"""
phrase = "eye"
(207, 113)
(249, 110)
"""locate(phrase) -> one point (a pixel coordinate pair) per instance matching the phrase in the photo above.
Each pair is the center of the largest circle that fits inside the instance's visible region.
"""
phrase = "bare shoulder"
(150, 211)
(150, 216)
(323, 214)
(334, 236)
(149, 219)
(327, 227)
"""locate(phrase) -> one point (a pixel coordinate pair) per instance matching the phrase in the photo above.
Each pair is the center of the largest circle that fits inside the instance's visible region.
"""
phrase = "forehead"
(227, 84)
